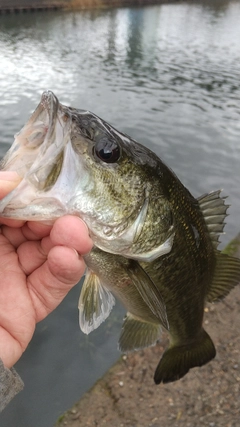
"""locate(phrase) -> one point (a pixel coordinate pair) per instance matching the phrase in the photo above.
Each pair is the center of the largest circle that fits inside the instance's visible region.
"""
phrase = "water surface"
(169, 76)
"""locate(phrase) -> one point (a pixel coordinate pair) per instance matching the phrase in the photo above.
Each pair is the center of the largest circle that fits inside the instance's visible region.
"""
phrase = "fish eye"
(107, 150)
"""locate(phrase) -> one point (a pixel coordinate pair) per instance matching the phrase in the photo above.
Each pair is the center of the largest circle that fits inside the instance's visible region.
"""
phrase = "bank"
(15, 6)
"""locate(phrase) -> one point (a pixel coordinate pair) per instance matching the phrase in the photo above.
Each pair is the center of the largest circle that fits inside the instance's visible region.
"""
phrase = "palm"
(38, 267)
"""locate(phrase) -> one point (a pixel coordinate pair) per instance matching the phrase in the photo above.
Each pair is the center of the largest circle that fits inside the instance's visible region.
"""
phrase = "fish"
(155, 245)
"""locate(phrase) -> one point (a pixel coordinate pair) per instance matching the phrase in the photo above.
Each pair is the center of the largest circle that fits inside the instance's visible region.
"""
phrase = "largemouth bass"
(155, 245)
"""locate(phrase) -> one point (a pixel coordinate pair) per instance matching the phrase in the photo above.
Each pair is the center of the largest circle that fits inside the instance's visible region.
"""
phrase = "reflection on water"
(168, 76)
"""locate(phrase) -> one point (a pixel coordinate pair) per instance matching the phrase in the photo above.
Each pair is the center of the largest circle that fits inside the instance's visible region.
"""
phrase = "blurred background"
(167, 75)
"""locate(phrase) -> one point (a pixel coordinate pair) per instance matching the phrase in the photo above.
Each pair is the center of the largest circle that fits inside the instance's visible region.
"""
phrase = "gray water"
(169, 76)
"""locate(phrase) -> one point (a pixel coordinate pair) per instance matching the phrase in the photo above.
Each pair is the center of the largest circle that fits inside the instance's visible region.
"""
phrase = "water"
(169, 76)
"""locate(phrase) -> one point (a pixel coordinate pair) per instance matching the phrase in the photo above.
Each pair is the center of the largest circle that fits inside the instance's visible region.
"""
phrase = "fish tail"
(177, 360)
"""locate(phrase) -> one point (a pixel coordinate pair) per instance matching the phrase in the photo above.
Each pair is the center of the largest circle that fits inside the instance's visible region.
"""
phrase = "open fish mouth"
(37, 155)
(33, 137)
(73, 162)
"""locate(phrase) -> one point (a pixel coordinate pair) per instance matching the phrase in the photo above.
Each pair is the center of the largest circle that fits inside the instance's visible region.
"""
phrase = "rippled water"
(167, 75)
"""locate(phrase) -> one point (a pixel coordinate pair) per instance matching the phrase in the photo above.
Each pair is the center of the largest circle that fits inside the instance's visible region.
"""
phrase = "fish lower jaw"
(48, 210)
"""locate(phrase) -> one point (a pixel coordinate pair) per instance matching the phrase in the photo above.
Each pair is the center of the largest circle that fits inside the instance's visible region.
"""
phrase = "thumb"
(8, 181)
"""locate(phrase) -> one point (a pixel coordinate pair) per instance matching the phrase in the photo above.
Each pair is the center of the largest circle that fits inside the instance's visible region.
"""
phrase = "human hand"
(39, 264)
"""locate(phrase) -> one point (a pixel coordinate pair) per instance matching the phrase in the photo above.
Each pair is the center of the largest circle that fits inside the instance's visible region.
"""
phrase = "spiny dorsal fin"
(95, 303)
(137, 334)
(226, 277)
(214, 211)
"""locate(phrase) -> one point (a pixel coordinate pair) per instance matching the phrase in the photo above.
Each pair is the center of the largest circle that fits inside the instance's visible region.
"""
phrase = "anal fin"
(137, 334)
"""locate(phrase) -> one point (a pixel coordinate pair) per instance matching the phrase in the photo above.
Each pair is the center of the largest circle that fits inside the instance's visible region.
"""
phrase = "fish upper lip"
(49, 101)
(50, 105)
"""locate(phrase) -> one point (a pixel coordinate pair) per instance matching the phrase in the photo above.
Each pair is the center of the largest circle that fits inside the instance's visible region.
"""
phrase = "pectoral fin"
(137, 334)
(148, 291)
(95, 303)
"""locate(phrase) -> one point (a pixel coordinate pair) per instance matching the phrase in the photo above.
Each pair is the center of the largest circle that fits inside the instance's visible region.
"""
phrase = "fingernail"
(84, 224)
(76, 252)
(48, 222)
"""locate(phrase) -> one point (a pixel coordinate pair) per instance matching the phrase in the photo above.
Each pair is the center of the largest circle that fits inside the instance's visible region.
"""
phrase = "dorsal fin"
(214, 211)
(226, 277)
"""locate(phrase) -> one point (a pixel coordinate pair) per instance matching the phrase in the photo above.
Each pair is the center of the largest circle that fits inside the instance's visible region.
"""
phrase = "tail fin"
(176, 361)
